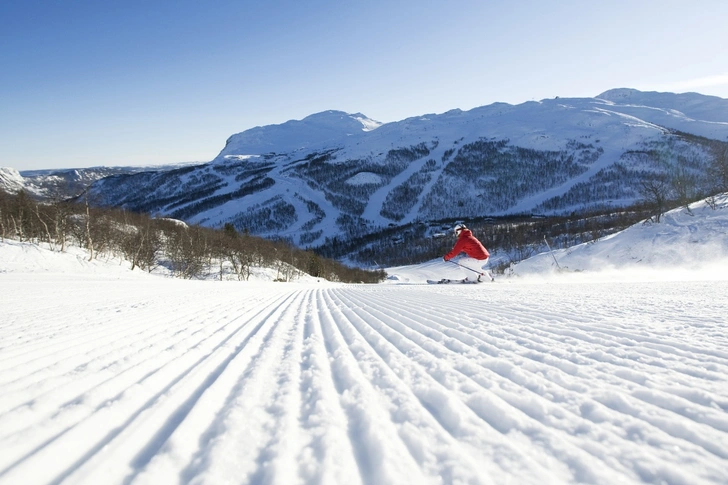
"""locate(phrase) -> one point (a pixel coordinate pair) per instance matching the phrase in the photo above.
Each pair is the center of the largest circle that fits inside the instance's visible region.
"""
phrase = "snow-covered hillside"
(689, 106)
(338, 175)
(692, 238)
(11, 180)
(295, 135)
(118, 377)
(68, 182)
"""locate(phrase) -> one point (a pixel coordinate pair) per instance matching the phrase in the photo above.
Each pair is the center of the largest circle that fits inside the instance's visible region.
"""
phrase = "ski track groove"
(319, 417)
(281, 403)
(191, 445)
(268, 321)
(361, 384)
(370, 427)
(453, 416)
(611, 373)
(136, 367)
(140, 406)
(668, 426)
(48, 328)
(476, 403)
(81, 333)
(103, 355)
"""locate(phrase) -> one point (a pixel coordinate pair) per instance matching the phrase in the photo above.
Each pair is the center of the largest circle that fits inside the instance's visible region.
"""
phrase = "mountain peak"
(11, 180)
(619, 94)
(693, 105)
(293, 135)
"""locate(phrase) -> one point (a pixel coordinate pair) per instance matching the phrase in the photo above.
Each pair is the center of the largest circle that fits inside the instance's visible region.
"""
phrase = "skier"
(476, 254)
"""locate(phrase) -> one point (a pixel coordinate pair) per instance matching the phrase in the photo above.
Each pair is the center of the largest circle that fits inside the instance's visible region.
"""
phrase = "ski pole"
(552, 253)
(474, 271)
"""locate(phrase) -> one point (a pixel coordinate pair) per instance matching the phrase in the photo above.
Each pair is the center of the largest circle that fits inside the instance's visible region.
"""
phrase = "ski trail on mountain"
(377, 199)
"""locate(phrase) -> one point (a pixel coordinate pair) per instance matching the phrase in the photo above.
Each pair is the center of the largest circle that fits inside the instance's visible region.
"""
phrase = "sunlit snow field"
(599, 373)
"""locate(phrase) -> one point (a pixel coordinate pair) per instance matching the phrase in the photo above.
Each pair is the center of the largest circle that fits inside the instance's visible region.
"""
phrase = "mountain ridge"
(338, 175)
(692, 104)
(297, 134)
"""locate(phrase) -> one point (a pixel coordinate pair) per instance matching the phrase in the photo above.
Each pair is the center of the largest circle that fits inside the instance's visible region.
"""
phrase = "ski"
(446, 281)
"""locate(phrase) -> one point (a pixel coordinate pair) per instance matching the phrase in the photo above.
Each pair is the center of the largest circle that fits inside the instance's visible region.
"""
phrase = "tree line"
(487, 176)
(146, 243)
(683, 177)
(518, 237)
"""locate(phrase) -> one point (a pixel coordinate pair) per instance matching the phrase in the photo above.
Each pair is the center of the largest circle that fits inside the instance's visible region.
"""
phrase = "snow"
(368, 124)
(11, 179)
(294, 135)
(364, 178)
(693, 241)
(544, 377)
(617, 121)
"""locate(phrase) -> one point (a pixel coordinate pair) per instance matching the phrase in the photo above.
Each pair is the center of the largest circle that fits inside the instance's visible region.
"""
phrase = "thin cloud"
(696, 83)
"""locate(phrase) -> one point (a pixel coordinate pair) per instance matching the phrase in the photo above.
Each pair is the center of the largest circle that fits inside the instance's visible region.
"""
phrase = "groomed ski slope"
(119, 378)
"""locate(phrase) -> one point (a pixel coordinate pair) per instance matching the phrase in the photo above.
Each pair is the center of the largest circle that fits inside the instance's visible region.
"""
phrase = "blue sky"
(132, 82)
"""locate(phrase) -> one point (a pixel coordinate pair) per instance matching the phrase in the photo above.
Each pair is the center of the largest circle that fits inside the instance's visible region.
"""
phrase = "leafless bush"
(145, 242)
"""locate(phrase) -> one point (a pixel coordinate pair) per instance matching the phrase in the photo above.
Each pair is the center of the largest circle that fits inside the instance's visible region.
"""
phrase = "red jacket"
(468, 244)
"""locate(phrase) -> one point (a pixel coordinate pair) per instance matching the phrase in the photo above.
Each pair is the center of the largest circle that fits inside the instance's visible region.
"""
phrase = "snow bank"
(18, 257)
(687, 243)
(26, 258)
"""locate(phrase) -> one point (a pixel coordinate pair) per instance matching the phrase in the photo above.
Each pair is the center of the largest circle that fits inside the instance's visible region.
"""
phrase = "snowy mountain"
(67, 182)
(11, 180)
(337, 175)
(294, 135)
(598, 376)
